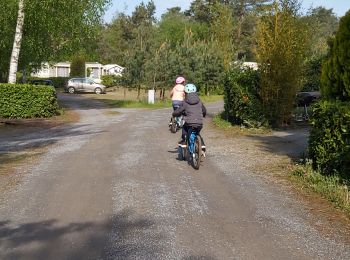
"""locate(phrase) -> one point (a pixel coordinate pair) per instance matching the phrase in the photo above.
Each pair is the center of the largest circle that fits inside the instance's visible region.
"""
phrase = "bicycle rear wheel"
(197, 153)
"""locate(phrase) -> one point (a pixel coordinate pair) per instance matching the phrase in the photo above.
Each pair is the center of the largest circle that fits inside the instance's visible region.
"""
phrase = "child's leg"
(184, 132)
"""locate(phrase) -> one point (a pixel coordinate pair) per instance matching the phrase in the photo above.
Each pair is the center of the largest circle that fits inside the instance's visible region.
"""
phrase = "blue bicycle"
(192, 150)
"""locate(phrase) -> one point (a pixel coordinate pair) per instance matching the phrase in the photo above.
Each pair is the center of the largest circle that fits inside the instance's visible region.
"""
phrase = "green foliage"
(111, 80)
(336, 69)
(323, 24)
(77, 67)
(58, 82)
(329, 143)
(313, 71)
(27, 101)
(282, 45)
(334, 188)
(53, 30)
(8, 17)
(242, 100)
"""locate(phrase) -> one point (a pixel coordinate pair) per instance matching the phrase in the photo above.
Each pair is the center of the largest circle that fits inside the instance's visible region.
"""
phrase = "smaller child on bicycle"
(194, 111)
(177, 94)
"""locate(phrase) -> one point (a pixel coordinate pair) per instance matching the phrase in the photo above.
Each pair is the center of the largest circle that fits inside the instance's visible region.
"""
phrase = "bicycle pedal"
(203, 153)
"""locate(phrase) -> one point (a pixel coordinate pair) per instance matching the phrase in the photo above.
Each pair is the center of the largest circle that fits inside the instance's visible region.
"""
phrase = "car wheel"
(98, 90)
(71, 90)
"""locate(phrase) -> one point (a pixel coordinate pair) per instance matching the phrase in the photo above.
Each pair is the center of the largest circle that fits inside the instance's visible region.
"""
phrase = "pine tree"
(335, 81)
(77, 68)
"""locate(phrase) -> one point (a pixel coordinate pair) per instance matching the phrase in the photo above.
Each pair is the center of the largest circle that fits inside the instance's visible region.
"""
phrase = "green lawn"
(116, 100)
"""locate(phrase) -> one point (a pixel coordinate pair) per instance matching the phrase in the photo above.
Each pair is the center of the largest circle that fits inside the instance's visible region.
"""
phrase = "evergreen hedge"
(27, 101)
(329, 142)
(242, 100)
(335, 81)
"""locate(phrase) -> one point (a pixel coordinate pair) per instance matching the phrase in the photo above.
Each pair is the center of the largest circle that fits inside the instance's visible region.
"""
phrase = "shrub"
(77, 67)
(241, 97)
(27, 101)
(335, 81)
(111, 80)
(313, 70)
(59, 82)
(329, 142)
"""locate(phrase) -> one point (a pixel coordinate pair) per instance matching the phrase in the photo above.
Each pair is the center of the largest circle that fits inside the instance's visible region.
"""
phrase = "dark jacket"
(192, 109)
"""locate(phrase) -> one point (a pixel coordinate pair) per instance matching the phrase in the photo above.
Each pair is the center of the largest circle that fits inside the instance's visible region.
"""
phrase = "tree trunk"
(138, 92)
(16, 43)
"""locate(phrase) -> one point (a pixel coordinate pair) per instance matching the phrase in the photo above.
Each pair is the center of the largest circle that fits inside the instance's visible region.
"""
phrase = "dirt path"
(110, 187)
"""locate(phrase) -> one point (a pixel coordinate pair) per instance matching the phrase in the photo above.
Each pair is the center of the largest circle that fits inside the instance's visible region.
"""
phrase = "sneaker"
(203, 148)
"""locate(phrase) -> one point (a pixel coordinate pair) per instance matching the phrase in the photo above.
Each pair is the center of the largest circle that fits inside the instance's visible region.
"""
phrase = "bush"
(27, 101)
(241, 96)
(329, 142)
(111, 80)
(77, 67)
(59, 82)
(313, 71)
(335, 81)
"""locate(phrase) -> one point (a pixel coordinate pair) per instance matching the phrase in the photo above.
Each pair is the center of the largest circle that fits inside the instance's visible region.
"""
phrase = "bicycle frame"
(191, 140)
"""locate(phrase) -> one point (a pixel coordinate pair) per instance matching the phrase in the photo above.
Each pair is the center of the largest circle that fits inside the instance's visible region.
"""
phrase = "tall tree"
(324, 23)
(336, 69)
(282, 44)
(54, 30)
(16, 43)
(222, 33)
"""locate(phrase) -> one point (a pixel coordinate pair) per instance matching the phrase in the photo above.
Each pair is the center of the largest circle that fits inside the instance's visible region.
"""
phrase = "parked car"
(307, 98)
(84, 85)
(42, 82)
(45, 82)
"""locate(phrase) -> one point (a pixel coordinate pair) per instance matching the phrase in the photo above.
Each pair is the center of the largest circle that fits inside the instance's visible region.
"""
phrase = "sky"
(339, 6)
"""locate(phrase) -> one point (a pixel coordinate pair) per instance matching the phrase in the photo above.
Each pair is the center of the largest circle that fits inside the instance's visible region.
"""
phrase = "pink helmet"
(180, 80)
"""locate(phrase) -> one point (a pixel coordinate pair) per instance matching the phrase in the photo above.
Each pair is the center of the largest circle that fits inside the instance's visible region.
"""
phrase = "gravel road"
(111, 187)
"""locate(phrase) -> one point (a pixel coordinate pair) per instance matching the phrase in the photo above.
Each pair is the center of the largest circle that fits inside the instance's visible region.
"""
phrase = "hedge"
(329, 142)
(27, 101)
(242, 100)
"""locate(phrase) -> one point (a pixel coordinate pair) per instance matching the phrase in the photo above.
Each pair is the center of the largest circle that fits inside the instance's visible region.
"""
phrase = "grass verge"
(223, 124)
(134, 104)
(333, 188)
(111, 102)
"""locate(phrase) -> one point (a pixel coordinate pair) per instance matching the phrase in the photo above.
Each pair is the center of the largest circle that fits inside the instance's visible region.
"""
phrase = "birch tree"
(16, 43)
(51, 31)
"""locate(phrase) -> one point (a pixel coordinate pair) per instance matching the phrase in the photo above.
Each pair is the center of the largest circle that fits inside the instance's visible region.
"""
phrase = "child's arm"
(204, 110)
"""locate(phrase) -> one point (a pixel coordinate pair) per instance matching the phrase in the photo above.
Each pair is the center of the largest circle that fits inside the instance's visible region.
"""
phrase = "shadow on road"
(22, 140)
(292, 143)
(88, 240)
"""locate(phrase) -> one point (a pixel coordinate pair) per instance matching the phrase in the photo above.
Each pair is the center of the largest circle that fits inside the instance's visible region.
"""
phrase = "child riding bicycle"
(177, 94)
(194, 111)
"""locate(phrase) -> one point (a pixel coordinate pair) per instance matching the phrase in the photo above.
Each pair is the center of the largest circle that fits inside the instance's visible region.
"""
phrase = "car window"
(77, 80)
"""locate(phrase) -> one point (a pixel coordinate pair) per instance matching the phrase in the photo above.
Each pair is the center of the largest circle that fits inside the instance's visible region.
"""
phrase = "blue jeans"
(186, 131)
(177, 104)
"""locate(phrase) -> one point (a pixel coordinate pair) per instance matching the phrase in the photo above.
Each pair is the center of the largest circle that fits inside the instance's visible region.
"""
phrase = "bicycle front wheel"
(197, 153)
